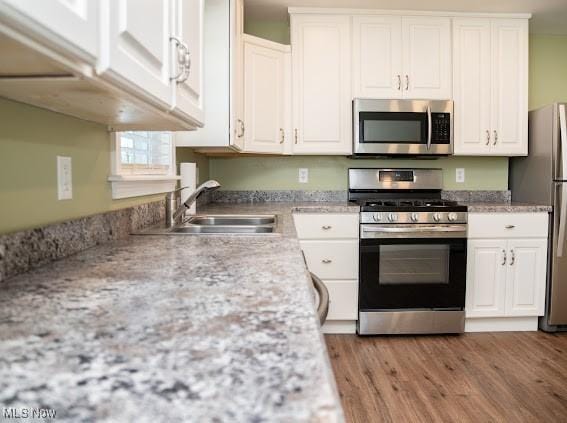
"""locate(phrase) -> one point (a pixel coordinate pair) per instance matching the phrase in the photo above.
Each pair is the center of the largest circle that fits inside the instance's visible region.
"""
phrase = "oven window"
(414, 264)
(393, 127)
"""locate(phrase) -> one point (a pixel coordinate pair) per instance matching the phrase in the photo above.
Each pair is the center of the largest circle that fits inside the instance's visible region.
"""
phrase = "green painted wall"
(330, 173)
(548, 69)
(277, 31)
(30, 140)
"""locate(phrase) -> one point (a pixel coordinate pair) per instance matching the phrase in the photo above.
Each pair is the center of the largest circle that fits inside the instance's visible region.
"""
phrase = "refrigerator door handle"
(562, 220)
(563, 136)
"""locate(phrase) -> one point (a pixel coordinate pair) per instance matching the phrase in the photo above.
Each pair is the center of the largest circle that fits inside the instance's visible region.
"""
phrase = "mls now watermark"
(28, 413)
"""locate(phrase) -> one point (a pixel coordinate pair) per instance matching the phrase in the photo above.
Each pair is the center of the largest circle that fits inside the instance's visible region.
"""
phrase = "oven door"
(413, 273)
(409, 127)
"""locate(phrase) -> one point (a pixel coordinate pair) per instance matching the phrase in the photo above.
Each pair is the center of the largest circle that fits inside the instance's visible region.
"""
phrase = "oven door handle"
(418, 231)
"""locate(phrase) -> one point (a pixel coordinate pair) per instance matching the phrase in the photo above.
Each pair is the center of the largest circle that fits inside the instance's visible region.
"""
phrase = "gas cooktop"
(404, 204)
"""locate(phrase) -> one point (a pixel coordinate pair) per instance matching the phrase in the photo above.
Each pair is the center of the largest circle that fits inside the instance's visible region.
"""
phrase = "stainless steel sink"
(218, 229)
(220, 225)
(231, 220)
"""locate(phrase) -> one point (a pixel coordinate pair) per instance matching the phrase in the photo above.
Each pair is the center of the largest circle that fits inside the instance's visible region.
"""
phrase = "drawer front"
(326, 226)
(507, 225)
(343, 299)
(332, 259)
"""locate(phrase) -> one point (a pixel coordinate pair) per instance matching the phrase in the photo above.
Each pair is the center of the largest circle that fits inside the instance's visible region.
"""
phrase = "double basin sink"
(220, 224)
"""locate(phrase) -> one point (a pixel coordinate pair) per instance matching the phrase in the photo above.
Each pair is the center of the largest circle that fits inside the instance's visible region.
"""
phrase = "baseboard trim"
(339, 326)
(501, 324)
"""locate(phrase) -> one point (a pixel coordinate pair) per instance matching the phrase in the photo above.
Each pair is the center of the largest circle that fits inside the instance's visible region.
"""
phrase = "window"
(143, 163)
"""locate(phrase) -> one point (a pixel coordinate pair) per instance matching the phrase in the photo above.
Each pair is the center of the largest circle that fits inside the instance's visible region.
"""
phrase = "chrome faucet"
(174, 211)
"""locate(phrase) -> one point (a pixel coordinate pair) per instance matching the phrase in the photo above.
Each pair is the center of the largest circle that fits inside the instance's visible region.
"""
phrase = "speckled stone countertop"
(171, 328)
(512, 207)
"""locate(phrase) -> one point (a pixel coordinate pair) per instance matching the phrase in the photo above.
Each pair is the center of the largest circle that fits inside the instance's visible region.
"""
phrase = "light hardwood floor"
(488, 377)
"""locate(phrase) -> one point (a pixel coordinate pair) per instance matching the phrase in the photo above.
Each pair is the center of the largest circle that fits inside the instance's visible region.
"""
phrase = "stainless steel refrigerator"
(541, 177)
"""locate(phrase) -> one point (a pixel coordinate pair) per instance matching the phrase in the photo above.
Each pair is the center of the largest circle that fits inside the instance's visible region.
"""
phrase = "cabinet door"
(377, 56)
(426, 57)
(75, 21)
(486, 278)
(509, 87)
(471, 86)
(136, 50)
(264, 98)
(526, 280)
(322, 102)
(187, 96)
(237, 122)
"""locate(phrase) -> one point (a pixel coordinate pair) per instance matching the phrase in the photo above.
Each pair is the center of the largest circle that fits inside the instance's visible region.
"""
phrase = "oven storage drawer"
(343, 304)
(332, 260)
(507, 225)
(326, 225)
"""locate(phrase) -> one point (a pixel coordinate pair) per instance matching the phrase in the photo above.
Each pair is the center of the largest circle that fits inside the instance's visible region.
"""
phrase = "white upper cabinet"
(322, 100)
(136, 50)
(426, 57)
(265, 96)
(402, 57)
(187, 89)
(377, 56)
(471, 63)
(490, 65)
(510, 87)
(72, 23)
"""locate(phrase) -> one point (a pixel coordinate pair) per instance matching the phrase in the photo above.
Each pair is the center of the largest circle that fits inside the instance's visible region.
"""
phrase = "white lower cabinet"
(506, 276)
(330, 245)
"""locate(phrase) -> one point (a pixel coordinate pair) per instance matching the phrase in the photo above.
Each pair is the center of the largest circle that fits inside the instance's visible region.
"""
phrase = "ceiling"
(549, 16)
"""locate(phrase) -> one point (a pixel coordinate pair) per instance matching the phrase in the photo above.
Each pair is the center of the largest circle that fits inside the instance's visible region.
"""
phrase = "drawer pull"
(513, 258)
(326, 227)
(510, 226)
(503, 257)
(326, 261)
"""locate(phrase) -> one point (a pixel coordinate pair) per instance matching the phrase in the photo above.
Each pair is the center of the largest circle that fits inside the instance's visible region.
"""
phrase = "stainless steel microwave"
(402, 127)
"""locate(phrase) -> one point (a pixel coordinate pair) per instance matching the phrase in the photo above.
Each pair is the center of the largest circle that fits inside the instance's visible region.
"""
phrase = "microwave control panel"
(441, 130)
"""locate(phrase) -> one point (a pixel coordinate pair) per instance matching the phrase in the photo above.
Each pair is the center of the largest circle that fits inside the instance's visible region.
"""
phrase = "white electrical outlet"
(303, 175)
(64, 178)
(460, 175)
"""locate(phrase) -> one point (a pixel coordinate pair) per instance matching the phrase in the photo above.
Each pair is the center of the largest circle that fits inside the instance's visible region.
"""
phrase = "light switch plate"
(303, 175)
(460, 175)
(64, 178)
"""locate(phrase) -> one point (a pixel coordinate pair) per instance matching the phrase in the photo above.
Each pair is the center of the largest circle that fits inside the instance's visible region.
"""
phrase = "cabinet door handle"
(296, 131)
(399, 82)
(407, 82)
(282, 136)
(487, 137)
(326, 227)
(326, 261)
(510, 226)
(183, 60)
(241, 125)
(503, 257)
(495, 137)
(513, 257)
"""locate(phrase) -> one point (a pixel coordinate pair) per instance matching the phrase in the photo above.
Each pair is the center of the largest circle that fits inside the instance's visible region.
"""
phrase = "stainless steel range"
(413, 252)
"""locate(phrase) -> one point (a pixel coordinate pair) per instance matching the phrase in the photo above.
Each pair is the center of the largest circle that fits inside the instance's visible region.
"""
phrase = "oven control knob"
(437, 217)
(415, 217)
(377, 217)
(393, 217)
(452, 217)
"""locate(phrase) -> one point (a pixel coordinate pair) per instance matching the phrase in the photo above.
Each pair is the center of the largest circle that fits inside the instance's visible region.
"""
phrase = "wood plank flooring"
(485, 377)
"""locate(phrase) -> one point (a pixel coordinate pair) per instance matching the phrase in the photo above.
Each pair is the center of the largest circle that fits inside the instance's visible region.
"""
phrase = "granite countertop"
(172, 328)
(506, 207)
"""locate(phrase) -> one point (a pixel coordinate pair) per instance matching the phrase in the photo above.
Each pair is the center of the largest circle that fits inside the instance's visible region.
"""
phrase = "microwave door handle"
(429, 124)
(562, 219)
(563, 136)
